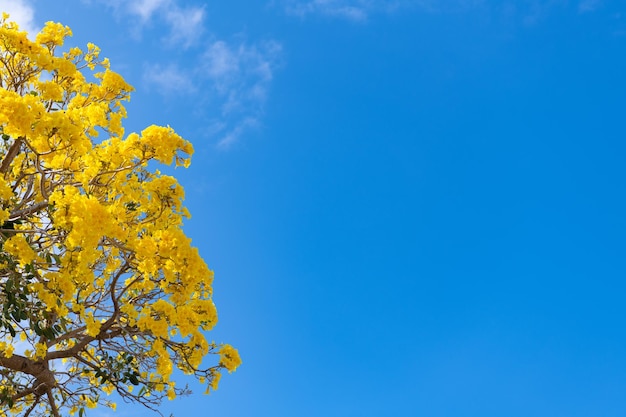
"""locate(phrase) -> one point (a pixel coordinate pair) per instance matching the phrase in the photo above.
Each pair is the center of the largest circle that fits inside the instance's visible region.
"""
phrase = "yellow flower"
(93, 326)
(91, 403)
(171, 394)
(18, 247)
(7, 349)
(215, 381)
(229, 358)
(100, 237)
(40, 350)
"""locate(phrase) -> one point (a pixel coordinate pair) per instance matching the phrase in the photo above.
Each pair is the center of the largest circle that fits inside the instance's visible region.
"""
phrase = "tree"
(100, 289)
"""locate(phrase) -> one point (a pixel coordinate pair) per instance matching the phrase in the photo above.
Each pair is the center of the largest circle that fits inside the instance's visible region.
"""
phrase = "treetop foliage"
(100, 289)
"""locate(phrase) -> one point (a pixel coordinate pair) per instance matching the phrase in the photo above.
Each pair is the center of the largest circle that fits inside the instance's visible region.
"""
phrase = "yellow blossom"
(93, 326)
(18, 247)
(171, 394)
(95, 264)
(229, 358)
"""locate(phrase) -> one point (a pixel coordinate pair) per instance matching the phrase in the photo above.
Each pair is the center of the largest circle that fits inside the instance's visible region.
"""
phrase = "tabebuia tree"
(101, 292)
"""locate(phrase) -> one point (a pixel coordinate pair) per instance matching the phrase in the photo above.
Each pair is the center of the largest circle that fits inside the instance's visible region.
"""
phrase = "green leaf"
(133, 379)
(48, 333)
(16, 315)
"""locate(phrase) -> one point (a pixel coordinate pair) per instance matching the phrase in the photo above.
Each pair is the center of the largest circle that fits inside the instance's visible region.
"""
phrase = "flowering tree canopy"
(101, 292)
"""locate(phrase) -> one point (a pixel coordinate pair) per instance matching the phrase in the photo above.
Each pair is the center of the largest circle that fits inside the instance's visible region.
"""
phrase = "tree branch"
(53, 405)
(11, 154)
(29, 210)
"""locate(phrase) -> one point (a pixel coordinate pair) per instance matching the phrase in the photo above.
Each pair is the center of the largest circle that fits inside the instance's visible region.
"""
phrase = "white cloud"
(231, 79)
(185, 23)
(534, 11)
(360, 10)
(221, 61)
(241, 72)
(240, 75)
(527, 11)
(169, 79)
(231, 136)
(23, 13)
(356, 10)
(585, 6)
(146, 8)
(228, 78)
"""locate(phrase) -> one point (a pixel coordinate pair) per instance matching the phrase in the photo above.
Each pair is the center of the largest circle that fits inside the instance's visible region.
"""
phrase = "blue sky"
(413, 208)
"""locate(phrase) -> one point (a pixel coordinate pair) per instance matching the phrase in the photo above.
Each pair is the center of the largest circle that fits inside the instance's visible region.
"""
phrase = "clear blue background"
(427, 216)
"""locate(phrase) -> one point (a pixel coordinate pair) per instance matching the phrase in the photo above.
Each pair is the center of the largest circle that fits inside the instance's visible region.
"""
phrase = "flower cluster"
(96, 273)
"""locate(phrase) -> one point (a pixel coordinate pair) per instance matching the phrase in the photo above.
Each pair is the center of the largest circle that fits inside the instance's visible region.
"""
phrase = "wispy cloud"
(168, 79)
(185, 23)
(351, 10)
(231, 78)
(239, 74)
(23, 13)
(360, 10)
(585, 6)
(235, 131)
(527, 11)
(145, 8)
